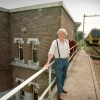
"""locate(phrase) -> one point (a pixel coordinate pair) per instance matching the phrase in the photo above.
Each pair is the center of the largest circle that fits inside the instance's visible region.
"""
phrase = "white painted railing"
(73, 51)
(12, 92)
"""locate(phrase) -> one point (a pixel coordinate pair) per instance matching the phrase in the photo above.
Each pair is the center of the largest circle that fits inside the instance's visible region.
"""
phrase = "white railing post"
(47, 89)
(49, 82)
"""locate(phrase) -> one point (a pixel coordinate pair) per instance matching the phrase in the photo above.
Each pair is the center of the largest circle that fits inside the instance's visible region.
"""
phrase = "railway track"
(94, 53)
(97, 56)
(97, 49)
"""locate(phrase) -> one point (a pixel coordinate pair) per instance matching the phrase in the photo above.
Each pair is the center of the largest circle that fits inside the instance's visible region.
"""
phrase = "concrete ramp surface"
(80, 83)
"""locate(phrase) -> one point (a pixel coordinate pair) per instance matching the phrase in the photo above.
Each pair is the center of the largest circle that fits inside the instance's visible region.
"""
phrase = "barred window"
(34, 53)
(20, 51)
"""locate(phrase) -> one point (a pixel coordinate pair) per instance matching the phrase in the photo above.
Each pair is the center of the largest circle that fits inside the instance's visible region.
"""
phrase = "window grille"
(20, 51)
(34, 53)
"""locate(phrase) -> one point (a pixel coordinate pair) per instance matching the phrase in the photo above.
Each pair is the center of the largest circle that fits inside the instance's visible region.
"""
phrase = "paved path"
(80, 83)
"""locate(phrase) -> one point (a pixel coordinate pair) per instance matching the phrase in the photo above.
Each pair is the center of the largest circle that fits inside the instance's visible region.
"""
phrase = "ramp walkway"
(81, 82)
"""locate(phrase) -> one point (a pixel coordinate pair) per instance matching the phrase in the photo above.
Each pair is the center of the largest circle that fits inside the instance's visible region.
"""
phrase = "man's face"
(62, 35)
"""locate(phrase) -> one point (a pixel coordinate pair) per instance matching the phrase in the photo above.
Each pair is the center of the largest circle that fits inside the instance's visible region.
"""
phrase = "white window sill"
(30, 62)
(17, 60)
(30, 65)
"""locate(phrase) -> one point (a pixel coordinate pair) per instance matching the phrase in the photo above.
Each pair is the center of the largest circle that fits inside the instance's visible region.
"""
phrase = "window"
(21, 93)
(20, 51)
(20, 43)
(34, 54)
(35, 89)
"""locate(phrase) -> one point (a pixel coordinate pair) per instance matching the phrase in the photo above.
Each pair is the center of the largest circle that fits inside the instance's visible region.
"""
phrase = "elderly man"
(60, 50)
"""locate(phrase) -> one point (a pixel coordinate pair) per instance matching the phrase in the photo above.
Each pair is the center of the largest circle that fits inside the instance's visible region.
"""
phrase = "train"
(93, 37)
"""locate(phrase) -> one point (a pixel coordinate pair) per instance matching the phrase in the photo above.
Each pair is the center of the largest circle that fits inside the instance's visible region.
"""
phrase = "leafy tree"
(79, 35)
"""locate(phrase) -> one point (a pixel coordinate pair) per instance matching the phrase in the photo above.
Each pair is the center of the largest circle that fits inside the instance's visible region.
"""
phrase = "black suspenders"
(58, 47)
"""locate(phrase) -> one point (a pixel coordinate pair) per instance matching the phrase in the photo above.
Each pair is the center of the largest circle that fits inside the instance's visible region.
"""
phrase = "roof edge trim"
(4, 10)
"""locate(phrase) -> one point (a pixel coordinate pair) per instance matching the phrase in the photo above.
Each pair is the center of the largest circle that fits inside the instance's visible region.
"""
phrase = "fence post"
(50, 82)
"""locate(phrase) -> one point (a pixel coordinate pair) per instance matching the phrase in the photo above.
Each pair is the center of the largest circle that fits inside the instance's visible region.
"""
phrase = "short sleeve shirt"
(64, 49)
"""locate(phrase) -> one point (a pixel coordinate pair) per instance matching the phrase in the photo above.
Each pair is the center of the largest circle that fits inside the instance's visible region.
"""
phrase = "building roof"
(4, 10)
(39, 6)
(77, 24)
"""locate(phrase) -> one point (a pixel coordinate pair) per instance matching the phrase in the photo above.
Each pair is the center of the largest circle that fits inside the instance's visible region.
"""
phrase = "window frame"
(34, 42)
(20, 43)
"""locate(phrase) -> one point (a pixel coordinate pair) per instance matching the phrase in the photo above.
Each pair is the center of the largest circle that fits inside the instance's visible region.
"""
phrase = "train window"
(95, 33)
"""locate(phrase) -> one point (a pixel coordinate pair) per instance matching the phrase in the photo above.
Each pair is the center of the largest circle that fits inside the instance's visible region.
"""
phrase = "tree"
(79, 35)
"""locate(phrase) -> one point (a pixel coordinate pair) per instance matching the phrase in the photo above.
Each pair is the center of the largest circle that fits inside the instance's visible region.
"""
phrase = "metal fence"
(19, 87)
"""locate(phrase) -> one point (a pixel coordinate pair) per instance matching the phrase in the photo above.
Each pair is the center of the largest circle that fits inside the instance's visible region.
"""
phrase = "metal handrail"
(73, 52)
(73, 46)
(12, 92)
(47, 89)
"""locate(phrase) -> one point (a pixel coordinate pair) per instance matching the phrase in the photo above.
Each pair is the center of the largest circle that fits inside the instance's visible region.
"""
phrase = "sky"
(77, 8)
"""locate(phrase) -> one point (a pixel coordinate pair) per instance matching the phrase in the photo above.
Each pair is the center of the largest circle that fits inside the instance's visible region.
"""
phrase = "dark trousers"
(61, 66)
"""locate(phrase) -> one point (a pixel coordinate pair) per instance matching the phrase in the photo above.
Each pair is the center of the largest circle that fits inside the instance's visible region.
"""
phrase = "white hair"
(62, 30)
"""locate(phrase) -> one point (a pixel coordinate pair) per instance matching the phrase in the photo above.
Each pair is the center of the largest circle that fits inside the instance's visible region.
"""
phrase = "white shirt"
(63, 49)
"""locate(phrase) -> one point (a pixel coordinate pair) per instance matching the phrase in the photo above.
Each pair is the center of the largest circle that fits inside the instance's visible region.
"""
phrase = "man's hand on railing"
(68, 58)
(48, 61)
(46, 65)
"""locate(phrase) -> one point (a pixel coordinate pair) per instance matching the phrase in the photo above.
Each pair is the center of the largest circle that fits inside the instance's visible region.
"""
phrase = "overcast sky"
(77, 9)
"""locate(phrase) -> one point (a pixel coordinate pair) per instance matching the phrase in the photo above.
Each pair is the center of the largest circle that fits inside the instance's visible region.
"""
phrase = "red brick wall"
(42, 24)
(67, 23)
(24, 74)
(5, 53)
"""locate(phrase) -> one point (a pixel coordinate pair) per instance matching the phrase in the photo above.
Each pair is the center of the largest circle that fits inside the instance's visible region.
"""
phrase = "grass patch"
(86, 46)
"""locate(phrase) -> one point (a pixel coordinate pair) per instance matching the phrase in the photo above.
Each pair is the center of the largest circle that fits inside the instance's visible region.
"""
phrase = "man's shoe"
(64, 91)
(60, 97)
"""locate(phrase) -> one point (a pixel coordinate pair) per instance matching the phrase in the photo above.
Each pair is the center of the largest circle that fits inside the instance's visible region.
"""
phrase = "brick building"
(5, 52)
(25, 37)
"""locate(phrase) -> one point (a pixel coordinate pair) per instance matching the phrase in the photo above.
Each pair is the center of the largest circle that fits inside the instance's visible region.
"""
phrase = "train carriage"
(94, 37)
